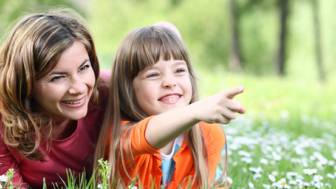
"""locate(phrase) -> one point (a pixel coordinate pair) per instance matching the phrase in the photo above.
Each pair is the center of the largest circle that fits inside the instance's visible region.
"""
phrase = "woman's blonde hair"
(31, 50)
(140, 49)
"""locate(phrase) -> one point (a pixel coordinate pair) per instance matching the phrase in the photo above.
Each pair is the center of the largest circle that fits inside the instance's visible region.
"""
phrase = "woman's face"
(64, 93)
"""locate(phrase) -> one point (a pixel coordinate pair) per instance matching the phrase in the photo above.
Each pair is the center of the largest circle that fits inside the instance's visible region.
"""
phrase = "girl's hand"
(219, 108)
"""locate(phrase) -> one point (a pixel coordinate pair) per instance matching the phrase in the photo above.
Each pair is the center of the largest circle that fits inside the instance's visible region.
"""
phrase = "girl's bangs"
(156, 45)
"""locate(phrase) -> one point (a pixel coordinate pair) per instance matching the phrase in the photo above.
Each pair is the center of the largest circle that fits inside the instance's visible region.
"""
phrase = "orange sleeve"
(214, 141)
(134, 141)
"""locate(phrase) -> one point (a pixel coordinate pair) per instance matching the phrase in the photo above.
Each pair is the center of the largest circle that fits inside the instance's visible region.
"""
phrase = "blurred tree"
(236, 59)
(282, 51)
(258, 27)
(175, 3)
(11, 10)
(318, 41)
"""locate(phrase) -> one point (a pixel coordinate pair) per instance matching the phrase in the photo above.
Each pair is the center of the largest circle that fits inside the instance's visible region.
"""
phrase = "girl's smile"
(170, 98)
(163, 86)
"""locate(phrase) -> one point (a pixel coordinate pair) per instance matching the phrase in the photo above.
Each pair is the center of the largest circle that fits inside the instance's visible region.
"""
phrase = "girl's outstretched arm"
(219, 108)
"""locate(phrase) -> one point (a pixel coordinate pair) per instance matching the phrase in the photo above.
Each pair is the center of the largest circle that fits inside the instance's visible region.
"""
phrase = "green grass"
(288, 129)
(285, 102)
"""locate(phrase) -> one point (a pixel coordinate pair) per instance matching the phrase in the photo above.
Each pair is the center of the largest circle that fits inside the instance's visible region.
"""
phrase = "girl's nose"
(168, 82)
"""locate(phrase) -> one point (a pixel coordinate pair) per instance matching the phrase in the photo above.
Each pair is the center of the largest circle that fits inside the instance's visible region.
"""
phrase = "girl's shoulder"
(212, 133)
(211, 128)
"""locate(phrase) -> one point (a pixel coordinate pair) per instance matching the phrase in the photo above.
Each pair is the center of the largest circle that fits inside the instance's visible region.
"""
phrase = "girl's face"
(64, 93)
(163, 86)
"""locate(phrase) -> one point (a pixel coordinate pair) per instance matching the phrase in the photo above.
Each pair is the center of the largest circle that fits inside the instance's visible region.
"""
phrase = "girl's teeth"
(171, 99)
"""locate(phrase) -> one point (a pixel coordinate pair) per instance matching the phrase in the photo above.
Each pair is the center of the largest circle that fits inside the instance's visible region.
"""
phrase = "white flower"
(310, 171)
(3, 178)
(267, 186)
(291, 175)
(276, 156)
(271, 178)
(244, 153)
(317, 178)
(264, 161)
(247, 160)
(255, 170)
(251, 185)
(302, 184)
(331, 163)
(331, 176)
(275, 173)
(317, 184)
(334, 155)
(228, 180)
(256, 176)
(282, 183)
(321, 160)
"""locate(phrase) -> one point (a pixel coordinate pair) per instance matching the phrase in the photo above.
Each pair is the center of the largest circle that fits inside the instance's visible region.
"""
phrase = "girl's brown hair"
(141, 48)
(31, 50)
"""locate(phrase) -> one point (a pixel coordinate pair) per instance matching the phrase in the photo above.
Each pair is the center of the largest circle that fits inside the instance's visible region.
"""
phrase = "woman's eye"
(56, 78)
(85, 67)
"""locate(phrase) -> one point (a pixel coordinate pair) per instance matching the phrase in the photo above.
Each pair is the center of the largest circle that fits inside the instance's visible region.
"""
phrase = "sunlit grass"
(286, 138)
(262, 156)
(269, 98)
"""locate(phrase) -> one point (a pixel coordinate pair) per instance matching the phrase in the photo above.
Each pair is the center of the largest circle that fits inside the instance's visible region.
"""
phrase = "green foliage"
(191, 17)
(10, 11)
(205, 28)
(206, 31)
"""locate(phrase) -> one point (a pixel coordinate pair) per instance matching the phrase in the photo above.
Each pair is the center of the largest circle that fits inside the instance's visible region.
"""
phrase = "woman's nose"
(77, 86)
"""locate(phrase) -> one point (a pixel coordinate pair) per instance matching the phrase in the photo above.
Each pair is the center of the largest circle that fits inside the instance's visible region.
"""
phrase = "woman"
(50, 113)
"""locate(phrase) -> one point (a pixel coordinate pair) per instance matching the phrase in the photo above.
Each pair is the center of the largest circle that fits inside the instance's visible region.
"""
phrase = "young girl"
(157, 137)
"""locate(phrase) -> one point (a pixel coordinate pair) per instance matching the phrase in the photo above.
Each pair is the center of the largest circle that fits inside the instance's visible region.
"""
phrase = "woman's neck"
(63, 129)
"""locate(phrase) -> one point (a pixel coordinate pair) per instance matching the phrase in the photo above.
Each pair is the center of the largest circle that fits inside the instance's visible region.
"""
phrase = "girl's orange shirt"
(143, 162)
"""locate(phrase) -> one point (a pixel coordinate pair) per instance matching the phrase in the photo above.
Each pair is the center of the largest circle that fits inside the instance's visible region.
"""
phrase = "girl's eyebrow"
(62, 73)
(149, 67)
(178, 62)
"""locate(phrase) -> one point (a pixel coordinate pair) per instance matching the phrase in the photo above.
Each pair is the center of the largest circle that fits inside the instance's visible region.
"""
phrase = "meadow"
(286, 139)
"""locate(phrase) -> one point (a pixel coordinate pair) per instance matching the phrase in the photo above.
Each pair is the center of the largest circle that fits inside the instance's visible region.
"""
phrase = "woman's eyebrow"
(60, 72)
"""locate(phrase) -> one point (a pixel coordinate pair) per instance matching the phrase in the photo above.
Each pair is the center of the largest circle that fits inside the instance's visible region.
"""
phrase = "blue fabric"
(219, 169)
(168, 167)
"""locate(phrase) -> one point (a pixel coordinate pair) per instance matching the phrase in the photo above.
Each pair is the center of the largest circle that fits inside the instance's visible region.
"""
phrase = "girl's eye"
(181, 70)
(152, 75)
(56, 78)
(85, 67)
